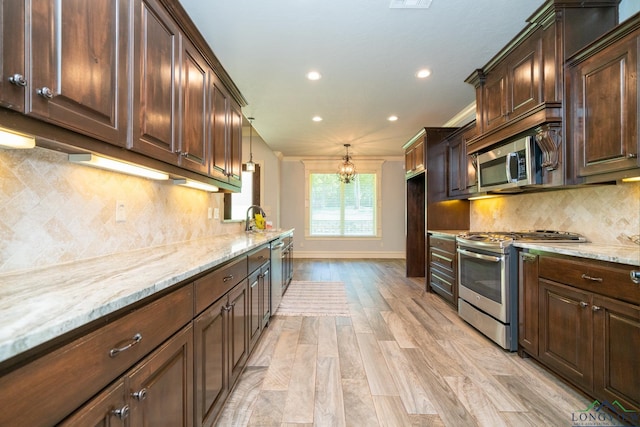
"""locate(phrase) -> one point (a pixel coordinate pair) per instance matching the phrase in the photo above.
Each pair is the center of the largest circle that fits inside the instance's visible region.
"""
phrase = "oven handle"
(481, 256)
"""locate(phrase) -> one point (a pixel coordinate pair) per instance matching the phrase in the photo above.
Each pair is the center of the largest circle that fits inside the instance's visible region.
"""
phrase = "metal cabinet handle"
(121, 413)
(595, 308)
(635, 276)
(184, 154)
(528, 257)
(593, 279)
(140, 395)
(45, 92)
(227, 278)
(18, 80)
(584, 304)
(134, 340)
(632, 156)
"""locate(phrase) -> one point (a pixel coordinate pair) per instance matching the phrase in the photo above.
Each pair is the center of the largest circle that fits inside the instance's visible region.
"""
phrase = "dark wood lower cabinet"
(442, 276)
(567, 324)
(108, 409)
(565, 332)
(616, 333)
(157, 392)
(169, 362)
(211, 380)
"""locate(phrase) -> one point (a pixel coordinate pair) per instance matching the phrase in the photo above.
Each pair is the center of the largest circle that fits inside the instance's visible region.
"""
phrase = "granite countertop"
(41, 304)
(622, 254)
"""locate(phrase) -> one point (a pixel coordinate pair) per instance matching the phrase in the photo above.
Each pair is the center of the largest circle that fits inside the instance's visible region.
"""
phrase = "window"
(341, 210)
(236, 204)
(338, 209)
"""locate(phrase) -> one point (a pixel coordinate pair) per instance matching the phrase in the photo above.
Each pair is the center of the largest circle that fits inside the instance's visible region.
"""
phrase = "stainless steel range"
(488, 279)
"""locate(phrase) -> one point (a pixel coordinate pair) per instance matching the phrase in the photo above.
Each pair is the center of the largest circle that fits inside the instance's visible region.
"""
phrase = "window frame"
(369, 166)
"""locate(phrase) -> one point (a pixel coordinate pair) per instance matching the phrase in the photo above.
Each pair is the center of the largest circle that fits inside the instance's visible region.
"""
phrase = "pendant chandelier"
(346, 170)
(250, 166)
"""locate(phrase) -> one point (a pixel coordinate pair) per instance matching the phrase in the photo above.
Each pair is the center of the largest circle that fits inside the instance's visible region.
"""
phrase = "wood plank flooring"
(402, 358)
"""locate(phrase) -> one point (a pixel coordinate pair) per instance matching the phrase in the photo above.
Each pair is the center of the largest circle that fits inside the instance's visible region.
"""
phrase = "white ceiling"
(368, 55)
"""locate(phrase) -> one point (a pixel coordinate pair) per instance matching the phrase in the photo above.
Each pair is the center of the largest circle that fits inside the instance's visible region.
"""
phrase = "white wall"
(392, 243)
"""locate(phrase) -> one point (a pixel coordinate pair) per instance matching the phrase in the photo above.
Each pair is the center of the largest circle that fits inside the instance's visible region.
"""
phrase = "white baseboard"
(297, 253)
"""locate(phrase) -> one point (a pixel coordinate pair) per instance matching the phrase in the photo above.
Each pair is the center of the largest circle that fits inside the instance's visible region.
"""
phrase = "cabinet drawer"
(610, 279)
(446, 245)
(442, 281)
(257, 258)
(443, 259)
(215, 284)
(46, 390)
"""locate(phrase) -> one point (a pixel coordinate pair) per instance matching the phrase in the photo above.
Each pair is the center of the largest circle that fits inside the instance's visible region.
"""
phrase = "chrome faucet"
(247, 226)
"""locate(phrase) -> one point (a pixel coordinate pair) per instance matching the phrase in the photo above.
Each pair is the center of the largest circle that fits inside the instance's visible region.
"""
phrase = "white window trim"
(331, 166)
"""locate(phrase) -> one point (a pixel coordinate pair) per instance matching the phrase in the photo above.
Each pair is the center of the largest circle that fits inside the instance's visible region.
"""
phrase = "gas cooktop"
(528, 235)
(502, 239)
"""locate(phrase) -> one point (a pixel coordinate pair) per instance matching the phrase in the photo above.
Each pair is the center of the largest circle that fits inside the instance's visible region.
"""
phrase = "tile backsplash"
(53, 211)
(606, 214)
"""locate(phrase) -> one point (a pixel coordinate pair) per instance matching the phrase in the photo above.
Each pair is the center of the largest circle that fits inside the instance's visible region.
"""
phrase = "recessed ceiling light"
(423, 74)
(392, 118)
(314, 75)
(317, 119)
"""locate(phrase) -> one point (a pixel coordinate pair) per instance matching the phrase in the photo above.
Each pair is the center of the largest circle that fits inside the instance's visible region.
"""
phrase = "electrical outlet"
(216, 213)
(121, 214)
(209, 213)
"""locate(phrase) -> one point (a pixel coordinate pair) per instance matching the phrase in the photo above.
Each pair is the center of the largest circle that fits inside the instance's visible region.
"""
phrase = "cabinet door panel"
(495, 100)
(13, 55)
(238, 328)
(605, 110)
(528, 302)
(219, 134)
(616, 357)
(211, 386)
(167, 378)
(79, 52)
(194, 138)
(156, 78)
(102, 410)
(565, 342)
(235, 147)
(255, 315)
(523, 87)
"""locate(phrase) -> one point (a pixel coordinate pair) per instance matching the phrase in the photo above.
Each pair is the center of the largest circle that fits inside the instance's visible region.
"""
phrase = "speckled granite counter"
(612, 253)
(41, 304)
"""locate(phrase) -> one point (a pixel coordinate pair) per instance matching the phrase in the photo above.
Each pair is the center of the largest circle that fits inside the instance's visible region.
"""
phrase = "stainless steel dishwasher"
(277, 246)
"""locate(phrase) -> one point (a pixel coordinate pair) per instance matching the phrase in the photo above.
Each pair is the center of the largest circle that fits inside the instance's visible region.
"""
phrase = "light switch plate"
(121, 214)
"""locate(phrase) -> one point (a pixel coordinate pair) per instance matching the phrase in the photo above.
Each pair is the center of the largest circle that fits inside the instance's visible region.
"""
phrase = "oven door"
(482, 280)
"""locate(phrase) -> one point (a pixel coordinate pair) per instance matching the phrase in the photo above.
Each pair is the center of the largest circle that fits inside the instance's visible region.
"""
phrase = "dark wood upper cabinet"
(414, 158)
(77, 54)
(156, 82)
(235, 146)
(602, 119)
(461, 169)
(14, 74)
(194, 135)
(521, 88)
(219, 131)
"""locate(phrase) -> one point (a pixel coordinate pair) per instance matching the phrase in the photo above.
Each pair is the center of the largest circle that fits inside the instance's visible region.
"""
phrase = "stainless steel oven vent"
(409, 4)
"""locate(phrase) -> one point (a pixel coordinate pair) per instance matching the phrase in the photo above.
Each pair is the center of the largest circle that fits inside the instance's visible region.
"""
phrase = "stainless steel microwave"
(510, 166)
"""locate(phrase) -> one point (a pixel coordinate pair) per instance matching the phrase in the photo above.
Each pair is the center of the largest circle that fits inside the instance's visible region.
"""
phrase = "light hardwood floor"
(403, 357)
